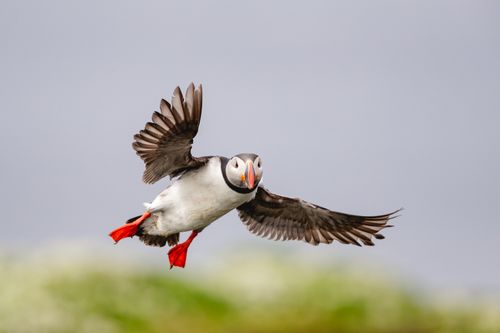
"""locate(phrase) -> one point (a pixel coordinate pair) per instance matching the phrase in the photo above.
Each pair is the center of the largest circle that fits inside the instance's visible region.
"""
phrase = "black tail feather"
(133, 219)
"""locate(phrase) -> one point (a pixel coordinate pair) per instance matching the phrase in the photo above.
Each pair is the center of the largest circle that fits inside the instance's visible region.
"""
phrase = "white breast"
(195, 200)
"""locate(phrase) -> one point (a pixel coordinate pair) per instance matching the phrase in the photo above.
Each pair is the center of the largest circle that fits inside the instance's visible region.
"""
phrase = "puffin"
(202, 189)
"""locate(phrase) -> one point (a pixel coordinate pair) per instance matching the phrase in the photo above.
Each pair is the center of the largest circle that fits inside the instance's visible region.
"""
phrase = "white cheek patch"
(257, 161)
(259, 173)
(233, 174)
(241, 165)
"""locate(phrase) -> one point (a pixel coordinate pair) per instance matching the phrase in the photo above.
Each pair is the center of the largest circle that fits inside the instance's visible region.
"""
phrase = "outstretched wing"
(281, 218)
(165, 143)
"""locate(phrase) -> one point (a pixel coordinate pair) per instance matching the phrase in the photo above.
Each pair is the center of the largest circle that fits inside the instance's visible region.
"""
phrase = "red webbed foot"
(129, 229)
(177, 255)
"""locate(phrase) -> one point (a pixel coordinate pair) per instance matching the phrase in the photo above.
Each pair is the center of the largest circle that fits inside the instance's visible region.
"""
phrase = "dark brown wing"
(165, 143)
(281, 218)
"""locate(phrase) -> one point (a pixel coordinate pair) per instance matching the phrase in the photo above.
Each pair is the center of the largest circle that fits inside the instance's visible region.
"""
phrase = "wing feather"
(177, 104)
(281, 218)
(143, 137)
(165, 143)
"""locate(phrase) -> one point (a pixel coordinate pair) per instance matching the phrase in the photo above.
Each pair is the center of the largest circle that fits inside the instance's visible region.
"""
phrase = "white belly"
(195, 200)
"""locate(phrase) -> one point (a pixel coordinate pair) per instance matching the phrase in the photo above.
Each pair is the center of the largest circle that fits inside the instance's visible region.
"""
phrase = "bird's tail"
(130, 228)
(132, 219)
(147, 232)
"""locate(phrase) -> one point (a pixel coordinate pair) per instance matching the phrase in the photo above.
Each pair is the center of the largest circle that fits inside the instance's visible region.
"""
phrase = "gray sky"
(360, 106)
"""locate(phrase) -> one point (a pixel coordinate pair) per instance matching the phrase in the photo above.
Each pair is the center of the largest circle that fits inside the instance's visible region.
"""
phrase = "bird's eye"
(258, 164)
(236, 164)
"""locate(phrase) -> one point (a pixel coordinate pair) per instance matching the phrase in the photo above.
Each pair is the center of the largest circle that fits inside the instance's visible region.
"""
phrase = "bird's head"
(243, 171)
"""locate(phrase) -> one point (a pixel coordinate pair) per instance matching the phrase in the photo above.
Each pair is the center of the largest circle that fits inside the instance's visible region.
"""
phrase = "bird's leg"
(129, 229)
(177, 255)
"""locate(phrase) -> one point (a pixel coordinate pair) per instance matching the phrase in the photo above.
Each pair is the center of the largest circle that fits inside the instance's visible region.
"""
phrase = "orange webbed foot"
(178, 254)
(129, 229)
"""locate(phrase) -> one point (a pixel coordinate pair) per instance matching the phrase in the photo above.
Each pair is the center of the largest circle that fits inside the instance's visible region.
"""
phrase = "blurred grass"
(249, 293)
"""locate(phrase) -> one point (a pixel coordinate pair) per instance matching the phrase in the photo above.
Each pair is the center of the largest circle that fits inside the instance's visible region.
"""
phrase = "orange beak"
(250, 175)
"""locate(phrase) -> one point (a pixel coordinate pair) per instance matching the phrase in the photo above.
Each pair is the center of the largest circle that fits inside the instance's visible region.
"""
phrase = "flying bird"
(205, 188)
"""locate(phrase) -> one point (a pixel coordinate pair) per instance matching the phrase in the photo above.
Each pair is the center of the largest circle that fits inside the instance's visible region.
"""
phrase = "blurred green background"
(249, 292)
